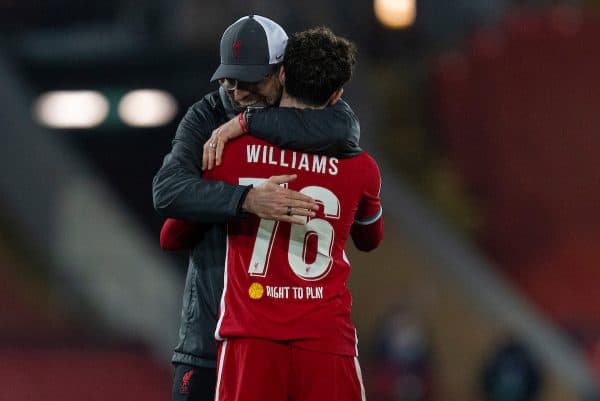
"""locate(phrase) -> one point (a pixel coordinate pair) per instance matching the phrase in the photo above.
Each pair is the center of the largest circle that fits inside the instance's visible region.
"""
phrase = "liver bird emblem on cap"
(236, 46)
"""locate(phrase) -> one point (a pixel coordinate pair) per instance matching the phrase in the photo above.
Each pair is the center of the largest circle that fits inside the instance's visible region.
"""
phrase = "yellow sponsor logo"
(256, 291)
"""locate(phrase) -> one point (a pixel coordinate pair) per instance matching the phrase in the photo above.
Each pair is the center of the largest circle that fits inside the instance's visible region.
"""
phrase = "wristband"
(243, 124)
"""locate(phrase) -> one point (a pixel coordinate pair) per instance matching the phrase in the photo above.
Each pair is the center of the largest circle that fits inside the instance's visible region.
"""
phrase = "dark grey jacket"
(180, 192)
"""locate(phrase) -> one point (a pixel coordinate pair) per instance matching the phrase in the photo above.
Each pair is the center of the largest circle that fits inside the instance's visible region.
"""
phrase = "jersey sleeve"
(178, 234)
(367, 230)
(332, 131)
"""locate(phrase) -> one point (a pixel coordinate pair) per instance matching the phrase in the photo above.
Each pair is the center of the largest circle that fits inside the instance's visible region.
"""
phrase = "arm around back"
(332, 131)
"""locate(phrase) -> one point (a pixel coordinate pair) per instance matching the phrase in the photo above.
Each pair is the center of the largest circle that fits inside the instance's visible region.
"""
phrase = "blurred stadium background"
(483, 115)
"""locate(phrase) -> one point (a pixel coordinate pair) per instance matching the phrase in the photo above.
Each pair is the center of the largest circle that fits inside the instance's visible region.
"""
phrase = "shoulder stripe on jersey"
(370, 220)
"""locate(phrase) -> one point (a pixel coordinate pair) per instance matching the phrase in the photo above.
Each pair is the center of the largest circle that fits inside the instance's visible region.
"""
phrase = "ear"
(335, 96)
(281, 75)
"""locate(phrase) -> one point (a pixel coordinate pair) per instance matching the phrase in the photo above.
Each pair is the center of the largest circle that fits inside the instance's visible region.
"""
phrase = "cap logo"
(236, 46)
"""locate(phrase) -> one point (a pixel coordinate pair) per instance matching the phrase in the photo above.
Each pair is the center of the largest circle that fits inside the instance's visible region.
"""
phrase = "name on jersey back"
(266, 154)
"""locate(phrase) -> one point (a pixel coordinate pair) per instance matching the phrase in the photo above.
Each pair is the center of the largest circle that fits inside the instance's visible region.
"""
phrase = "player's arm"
(178, 234)
(332, 131)
(367, 234)
(367, 230)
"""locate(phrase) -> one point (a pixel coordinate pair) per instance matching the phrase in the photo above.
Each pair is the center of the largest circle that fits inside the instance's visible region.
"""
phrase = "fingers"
(219, 151)
(211, 154)
(304, 204)
(310, 205)
(295, 215)
(208, 151)
(205, 152)
(283, 179)
(212, 151)
(293, 198)
(300, 211)
(299, 200)
(291, 219)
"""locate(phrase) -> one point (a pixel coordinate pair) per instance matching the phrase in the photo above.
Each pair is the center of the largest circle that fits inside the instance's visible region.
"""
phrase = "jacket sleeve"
(178, 188)
(332, 131)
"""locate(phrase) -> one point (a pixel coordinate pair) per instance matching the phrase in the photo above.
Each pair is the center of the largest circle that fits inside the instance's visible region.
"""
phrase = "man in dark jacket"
(247, 75)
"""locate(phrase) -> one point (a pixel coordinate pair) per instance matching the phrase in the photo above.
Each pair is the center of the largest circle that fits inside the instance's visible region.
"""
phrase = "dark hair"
(317, 63)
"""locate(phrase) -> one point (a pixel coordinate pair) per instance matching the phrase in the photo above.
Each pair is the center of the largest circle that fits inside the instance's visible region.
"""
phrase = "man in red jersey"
(284, 326)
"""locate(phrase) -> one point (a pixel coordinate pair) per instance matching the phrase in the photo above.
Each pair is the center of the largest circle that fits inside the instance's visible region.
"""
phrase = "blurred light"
(71, 109)
(396, 14)
(147, 108)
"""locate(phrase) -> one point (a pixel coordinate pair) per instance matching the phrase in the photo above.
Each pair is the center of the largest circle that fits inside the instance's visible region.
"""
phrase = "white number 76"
(299, 236)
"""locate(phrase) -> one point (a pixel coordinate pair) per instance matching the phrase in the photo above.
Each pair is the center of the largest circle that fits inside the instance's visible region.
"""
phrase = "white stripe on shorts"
(220, 370)
(363, 396)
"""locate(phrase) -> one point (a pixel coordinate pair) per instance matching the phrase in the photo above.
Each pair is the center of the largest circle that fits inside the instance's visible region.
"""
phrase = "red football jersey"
(287, 282)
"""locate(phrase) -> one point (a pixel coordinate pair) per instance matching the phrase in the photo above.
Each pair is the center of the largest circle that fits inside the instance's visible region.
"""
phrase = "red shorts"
(250, 369)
